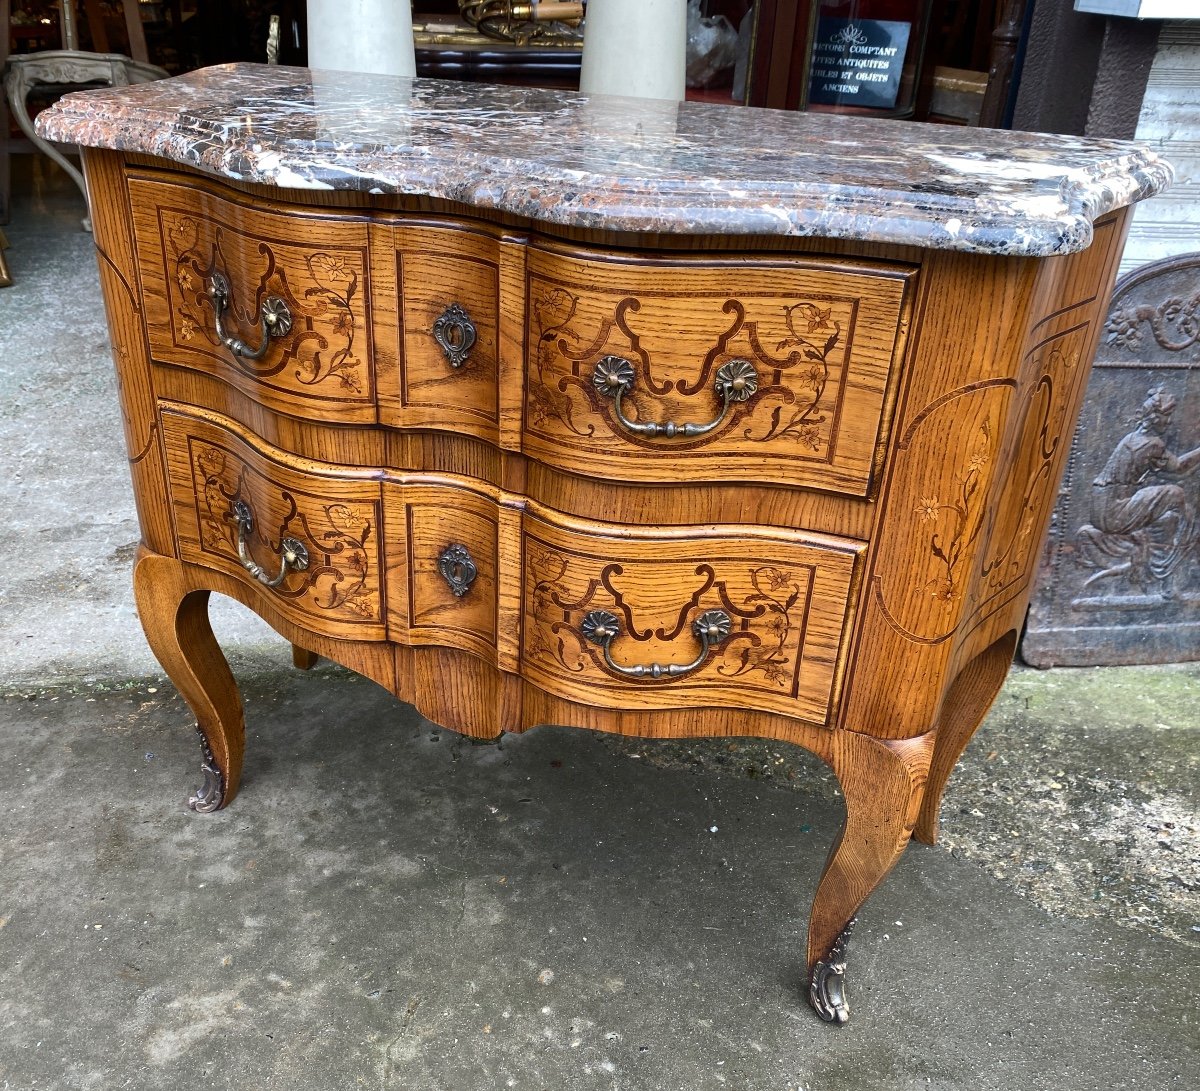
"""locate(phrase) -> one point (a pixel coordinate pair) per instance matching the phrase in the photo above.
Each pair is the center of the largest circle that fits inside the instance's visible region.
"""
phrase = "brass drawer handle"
(602, 628)
(275, 317)
(736, 381)
(293, 557)
(455, 333)
(457, 569)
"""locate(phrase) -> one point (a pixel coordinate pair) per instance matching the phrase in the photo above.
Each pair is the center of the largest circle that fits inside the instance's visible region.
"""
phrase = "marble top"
(623, 164)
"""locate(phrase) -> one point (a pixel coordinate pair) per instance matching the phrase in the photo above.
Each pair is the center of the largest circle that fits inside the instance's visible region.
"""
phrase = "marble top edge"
(620, 164)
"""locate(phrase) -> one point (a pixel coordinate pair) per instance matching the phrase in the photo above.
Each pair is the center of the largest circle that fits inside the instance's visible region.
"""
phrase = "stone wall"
(1170, 123)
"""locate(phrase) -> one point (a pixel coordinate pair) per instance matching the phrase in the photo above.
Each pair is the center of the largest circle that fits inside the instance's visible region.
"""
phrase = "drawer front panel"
(335, 518)
(318, 266)
(448, 286)
(443, 556)
(812, 346)
(785, 597)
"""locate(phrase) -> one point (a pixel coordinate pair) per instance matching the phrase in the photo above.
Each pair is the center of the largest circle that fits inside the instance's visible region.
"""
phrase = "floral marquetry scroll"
(320, 361)
(754, 439)
(942, 511)
(969, 551)
(811, 351)
(785, 598)
(240, 511)
(954, 523)
(1021, 512)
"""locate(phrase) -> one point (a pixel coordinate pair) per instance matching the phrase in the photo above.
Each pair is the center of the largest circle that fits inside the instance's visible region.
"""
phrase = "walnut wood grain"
(966, 703)
(335, 517)
(439, 265)
(116, 254)
(787, 596)
(982, 429)
(591, 498)
(303, 659)
(172, 600)
(449, 684)
(424, 521)
(883, 782)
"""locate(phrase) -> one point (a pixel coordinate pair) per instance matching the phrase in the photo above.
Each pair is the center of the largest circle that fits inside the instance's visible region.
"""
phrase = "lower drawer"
(645, 617)
(307, 537)
(686, 617)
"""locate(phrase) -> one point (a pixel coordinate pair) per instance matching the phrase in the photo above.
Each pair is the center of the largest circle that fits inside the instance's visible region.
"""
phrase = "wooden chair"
(63, 68)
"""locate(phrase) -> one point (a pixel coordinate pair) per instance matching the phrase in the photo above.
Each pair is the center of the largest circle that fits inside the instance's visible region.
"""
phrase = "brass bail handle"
(602, 627)
(735, 381)
(274, 317)
(293, 556)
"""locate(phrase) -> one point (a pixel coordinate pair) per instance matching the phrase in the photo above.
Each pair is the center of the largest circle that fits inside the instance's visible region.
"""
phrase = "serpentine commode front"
(655, 417)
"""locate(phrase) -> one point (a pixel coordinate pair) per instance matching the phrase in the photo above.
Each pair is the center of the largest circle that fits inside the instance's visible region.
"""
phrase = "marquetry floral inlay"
(338, 539)
(322, 297)
(777, 590)
(553, 312)
(550, 639)
(1012, 553)
(765, 636)
(955, 521)
(803, 420)
(789, 403)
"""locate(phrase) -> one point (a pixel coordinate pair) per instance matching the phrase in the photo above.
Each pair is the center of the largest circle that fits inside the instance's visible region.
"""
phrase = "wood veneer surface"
(873, 557)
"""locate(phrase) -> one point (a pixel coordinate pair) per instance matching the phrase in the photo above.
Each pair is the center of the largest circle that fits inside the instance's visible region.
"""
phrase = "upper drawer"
(768, 369)
(317, 267)
(457, 302)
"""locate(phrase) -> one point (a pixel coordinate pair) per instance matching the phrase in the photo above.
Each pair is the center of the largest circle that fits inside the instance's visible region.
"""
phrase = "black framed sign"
(858, 62)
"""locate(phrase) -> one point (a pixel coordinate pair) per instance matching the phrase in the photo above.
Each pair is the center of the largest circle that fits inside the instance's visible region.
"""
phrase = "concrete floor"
(388, 905)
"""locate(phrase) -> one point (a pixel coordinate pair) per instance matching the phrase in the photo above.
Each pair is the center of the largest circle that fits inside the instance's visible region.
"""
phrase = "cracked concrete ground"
(389, 905)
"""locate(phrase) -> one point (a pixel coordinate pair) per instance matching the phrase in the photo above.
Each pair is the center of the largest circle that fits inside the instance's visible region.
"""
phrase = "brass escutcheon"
(455, 333)
(457, 568)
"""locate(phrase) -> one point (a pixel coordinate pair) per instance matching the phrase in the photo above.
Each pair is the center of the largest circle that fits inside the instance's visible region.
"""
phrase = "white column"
(361, 36)
(635, 47)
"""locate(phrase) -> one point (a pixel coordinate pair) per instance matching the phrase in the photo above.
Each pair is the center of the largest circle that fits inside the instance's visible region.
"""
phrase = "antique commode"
(661, 419)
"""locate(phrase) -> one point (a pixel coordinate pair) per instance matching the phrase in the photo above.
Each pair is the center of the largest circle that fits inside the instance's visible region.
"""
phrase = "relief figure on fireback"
(1144, 512)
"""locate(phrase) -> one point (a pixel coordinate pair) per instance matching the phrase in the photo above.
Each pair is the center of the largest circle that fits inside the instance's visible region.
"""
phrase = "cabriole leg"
(963, 710)
(883, 783)
(174, 615)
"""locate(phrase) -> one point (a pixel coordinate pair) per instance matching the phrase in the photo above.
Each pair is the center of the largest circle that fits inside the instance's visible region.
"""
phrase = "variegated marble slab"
(624, 164)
